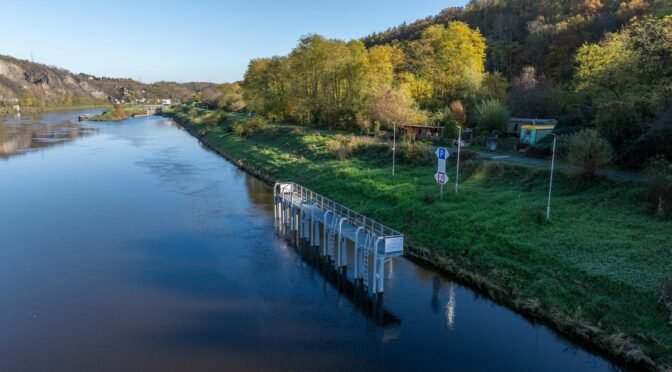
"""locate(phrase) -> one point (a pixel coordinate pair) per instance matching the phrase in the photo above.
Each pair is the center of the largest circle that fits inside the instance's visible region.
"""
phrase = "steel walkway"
(325, 224)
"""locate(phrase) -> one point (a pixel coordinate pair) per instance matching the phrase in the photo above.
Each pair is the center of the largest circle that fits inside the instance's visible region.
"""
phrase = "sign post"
(440, 176)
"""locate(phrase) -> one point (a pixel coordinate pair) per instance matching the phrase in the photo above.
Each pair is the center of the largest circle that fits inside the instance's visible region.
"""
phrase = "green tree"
(492, 116)
(266, 86)
(451, 58)
(588, 150)
(609, 70)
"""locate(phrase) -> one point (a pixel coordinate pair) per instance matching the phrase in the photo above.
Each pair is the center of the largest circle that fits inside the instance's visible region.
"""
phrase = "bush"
(659, 193)
(247, 127)
(413, 151)
(492, 116)
(621, 123)
(238, 129)
(256, 124)
(341, 147)
(589, 151)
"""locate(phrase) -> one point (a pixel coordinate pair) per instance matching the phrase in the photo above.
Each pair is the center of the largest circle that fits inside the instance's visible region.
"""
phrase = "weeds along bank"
(597, 272)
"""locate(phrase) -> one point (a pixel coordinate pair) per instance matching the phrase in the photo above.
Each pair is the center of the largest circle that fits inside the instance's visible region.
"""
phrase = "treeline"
(541, 34)
(339, 84)
(627, 78)
(591, 64)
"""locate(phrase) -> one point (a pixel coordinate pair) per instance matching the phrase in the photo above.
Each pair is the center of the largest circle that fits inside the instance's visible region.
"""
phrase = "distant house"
(516, 123)
(531, 134)
(166, 102)
(422, 131)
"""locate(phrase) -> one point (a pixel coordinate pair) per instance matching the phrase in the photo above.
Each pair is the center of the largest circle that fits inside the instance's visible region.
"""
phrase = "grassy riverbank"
(594, 272)
(118, 113)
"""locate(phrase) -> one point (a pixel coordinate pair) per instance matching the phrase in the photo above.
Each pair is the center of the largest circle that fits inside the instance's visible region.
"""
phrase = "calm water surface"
(128, 246)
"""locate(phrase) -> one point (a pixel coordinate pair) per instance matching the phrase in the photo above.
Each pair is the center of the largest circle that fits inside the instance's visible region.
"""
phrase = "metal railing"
(353, 218)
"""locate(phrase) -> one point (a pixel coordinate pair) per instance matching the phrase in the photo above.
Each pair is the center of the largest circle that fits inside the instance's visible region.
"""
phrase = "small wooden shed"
(515, 124)
(423, 131)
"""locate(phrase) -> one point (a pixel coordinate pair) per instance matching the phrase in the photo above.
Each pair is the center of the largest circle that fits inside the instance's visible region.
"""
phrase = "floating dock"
(328, 228)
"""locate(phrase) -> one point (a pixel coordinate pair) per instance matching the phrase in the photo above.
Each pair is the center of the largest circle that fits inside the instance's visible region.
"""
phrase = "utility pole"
(550, 184)
(394, 145)
(459, 147)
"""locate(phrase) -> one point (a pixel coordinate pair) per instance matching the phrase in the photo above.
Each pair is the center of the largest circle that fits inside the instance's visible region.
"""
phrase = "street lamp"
(394, 145)
(459, 147)
(550, 184)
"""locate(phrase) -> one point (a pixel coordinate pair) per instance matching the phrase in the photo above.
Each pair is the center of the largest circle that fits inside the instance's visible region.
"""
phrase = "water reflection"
(450, 307)
(17, 137)
(436, 287)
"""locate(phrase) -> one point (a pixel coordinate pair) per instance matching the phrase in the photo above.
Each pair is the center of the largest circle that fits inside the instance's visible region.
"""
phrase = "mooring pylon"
(303, 212)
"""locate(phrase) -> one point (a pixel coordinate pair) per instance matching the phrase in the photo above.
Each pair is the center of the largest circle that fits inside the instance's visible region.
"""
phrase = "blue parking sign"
(442, 153)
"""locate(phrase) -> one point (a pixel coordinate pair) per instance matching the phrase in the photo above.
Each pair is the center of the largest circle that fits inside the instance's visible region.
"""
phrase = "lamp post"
(550, 184)
(394, 145)
(459, 147)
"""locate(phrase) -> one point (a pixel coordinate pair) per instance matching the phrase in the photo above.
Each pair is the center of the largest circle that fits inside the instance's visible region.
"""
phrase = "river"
(129, 246)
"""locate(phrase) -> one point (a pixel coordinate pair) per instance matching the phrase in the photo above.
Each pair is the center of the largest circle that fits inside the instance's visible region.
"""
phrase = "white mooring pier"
(328, 227)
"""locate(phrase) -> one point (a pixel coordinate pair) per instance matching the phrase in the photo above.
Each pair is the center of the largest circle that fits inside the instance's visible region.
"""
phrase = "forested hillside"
(599, 64)
(37, 86)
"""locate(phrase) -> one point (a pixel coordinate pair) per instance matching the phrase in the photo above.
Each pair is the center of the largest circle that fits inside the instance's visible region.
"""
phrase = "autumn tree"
(389, 106)
(450, 58)
(266, 86)
(231, 97)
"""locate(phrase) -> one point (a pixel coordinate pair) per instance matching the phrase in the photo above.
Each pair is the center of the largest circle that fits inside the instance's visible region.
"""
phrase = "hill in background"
(36, 86)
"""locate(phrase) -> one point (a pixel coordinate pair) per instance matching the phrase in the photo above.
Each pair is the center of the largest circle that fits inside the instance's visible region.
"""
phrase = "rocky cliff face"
(33, 84)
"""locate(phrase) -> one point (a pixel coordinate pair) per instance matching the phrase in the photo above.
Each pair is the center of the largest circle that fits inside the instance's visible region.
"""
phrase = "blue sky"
(198, 40)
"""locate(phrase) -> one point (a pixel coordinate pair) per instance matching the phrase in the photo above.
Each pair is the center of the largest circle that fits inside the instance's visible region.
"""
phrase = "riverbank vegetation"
(119, 112)
(597, 271)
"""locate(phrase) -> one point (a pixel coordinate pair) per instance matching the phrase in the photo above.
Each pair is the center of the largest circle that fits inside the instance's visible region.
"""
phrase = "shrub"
(589, 151)
(256, 124)
(363, 123)
(119, 113)
(376, 128)
(621, 123)
(659, 193)
(492, 116)
(247, 127)
(238, 129)
(413, 151)
(458, 112)
(341, 147)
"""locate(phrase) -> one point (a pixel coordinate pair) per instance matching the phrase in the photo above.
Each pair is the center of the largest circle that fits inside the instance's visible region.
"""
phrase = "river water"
(129, 246)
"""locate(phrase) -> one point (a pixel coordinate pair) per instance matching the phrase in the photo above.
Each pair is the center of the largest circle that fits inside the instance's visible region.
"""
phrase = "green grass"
(600, 261)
